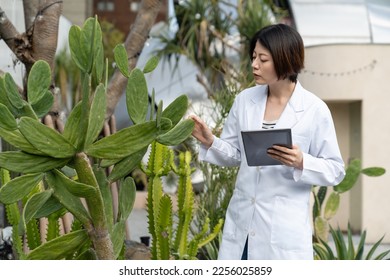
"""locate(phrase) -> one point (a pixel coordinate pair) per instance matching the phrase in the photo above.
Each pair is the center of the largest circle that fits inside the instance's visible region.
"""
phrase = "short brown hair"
(286, 48)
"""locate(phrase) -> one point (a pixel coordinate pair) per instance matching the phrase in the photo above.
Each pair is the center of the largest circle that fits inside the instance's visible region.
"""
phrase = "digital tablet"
(256, 143)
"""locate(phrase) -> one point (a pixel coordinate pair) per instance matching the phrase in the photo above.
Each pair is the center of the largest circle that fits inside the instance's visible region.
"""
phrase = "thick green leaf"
(322, 194)
(19, 187)
(72, 125)
(176, 109)
(77, 49)
(46, 139)
(137, 98)
(75, 188)
(89, 254)
(321, 227)
(126, 141)
(39, 81)
(98, 58)
(316, 206)
(35, 203)
(374, 171)
(126, 165)
(121, 60)
(126, 198)
(329, 255)
(12, 91)
(108, 162)
(96, 115)
(178, 134)
(27, 111)
(51, 206)
(4, 98)
(118, 237)
(332, 205)
(351, 247)
(55, 249)
(27, 163)
(151, 64)
(68, 200)
(91, 39)
(159, 114)
(43, 105)
(321, 253)
(351, 176)
(16, 139)
(86, 47)
(7, 120)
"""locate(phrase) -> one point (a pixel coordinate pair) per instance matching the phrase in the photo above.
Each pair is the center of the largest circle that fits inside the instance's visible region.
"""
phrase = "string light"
(369, 66)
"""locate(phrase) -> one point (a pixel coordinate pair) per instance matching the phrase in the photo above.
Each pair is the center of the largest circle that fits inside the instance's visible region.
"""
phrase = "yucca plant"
(345, 249)
(59, 173)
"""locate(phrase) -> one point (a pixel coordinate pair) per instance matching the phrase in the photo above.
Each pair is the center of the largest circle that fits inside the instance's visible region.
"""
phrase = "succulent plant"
(43, 156)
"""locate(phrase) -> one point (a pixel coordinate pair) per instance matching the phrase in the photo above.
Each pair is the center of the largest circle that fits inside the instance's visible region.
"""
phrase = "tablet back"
(256, 143)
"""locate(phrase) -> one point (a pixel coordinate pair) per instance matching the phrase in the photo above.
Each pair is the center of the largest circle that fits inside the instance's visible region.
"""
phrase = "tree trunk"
(42, 21)
(134, 44)
(39, 42)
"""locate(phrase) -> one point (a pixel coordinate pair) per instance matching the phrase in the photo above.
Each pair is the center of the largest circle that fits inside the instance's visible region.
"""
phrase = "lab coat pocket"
(290, 227)
(302, 142)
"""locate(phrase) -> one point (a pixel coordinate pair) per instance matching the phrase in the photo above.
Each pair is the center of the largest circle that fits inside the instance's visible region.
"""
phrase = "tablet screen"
(256, 143)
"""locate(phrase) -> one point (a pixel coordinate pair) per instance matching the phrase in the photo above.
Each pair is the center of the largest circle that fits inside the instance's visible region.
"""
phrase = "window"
(134, 6)
(107, 6)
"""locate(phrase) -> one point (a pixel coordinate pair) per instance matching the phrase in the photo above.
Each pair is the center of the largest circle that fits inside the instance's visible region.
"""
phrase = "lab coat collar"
(290, 115)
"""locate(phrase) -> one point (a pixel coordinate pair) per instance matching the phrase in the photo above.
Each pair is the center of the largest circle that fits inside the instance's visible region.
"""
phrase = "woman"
(268, 216)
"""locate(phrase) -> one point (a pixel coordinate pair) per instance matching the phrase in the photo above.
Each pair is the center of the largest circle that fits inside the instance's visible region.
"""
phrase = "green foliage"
(168, 240)
(57, 172)
(345, 249)
(325, 207)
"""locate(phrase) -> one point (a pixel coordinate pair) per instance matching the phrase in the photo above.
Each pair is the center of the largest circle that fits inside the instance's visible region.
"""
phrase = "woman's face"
(263, 66)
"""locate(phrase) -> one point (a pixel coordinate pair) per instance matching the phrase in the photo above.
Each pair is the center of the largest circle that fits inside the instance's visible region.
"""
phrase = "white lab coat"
(270, 204)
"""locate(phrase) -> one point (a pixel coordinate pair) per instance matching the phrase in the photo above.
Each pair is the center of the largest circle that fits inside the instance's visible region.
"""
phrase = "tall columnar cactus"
(169, 239)
(43, 156)
(325, 207)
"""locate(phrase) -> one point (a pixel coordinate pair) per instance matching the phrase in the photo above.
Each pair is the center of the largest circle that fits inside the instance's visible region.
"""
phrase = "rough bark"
(8, 31)
(42, 21)
(134, 44)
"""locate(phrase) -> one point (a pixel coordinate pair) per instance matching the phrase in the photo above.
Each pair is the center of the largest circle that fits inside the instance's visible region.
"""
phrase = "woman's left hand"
(289, 157)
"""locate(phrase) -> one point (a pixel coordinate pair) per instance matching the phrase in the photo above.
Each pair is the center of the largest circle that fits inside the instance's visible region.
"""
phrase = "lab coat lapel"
(256, 108)
(294, 109)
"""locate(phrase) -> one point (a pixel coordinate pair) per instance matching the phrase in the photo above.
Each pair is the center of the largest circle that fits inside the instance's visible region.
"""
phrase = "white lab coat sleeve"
(225, 150)
(323, 164)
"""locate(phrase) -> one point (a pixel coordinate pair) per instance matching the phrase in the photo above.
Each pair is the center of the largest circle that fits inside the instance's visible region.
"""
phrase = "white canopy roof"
(342, 21)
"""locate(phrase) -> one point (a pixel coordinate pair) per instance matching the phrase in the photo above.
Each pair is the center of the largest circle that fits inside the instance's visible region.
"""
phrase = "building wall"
(353, 80)
(122, 13)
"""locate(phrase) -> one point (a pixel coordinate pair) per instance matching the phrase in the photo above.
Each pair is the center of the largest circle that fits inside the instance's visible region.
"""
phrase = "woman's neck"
(281, 90)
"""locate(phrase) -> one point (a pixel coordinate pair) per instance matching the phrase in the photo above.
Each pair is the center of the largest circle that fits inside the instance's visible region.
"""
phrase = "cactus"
(168, 240)
(325, 208)
(44, 156)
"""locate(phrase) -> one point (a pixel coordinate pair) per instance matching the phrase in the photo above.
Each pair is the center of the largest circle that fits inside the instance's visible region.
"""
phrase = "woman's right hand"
(202, 132)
